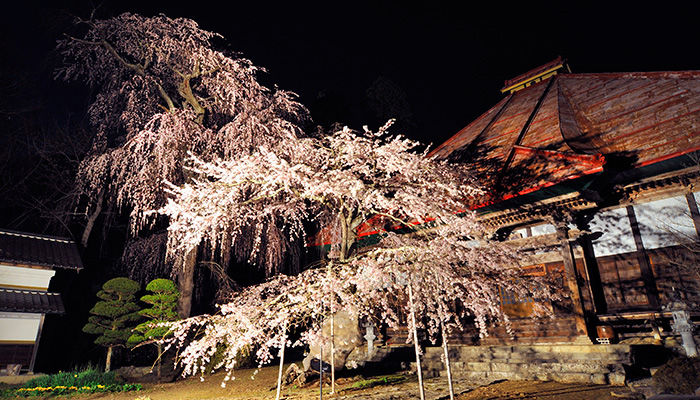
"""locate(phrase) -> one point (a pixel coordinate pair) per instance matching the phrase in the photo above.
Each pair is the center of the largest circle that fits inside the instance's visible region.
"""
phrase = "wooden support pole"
(332, 312)
(643, 259)
(694, 213)
(571, 279)
(282, 346)
(332, 351)
(419, 370)
(595, 283)
(447, 360)
(36, 344)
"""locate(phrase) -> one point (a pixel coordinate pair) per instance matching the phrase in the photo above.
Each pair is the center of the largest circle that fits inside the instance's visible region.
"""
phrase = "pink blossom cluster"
(163, 91)
(427, 240)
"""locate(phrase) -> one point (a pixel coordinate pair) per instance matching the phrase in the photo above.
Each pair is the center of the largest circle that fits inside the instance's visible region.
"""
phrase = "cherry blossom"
(431, 258)
(163, 90)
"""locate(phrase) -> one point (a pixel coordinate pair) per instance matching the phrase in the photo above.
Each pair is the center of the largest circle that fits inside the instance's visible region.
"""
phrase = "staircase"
(600, 364)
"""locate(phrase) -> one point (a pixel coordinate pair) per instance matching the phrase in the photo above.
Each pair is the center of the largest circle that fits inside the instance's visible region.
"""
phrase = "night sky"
(443, 64)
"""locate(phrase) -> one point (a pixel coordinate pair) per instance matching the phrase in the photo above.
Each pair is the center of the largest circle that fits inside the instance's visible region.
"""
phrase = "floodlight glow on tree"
(341, 181)
(163, 90)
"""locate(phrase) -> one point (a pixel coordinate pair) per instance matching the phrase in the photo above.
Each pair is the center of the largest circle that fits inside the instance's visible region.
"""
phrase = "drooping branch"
(162, 91)
(137, 68)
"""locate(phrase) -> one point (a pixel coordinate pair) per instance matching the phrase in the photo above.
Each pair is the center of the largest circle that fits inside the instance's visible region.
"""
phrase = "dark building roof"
(555, 126)
(30, 301)
(38, 250)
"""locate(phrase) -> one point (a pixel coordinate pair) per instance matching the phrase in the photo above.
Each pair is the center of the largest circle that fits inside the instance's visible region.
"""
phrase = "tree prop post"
(332, 353)
(447, 360)
(283, 343)
(320, 359)
(419, 370)
(332, 312)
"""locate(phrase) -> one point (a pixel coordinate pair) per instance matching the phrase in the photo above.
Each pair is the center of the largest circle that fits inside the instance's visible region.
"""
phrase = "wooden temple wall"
(647, 254)
(640, 258)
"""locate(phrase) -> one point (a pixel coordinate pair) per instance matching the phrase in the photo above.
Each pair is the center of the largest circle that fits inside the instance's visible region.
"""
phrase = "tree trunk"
(185, 282)
(348, 224)
(344, 238)
(279, 375)
(108, 364)
(91, 219)
(447, 361)
(419, 370)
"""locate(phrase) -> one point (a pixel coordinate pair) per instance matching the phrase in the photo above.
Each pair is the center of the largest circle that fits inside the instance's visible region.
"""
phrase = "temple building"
(27, 263)
(597, 176)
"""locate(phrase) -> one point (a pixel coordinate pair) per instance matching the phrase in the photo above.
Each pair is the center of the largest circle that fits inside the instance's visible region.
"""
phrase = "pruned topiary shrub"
(680, 375)
(114, 315)
(163, 302)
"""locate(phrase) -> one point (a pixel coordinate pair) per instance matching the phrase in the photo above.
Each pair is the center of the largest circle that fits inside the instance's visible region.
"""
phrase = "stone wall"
(600, 364)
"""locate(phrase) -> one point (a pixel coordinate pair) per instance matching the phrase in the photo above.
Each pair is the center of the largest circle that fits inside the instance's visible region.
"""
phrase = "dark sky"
(446, 62)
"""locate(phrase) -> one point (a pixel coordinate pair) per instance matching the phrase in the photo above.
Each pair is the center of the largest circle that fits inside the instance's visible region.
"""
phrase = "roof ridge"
(32, 291)
(651, 74)
(36, 236)
(534, 75)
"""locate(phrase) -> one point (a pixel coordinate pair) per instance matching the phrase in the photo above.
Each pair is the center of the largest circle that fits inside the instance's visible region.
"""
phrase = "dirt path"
(545, 391)
(262, 387)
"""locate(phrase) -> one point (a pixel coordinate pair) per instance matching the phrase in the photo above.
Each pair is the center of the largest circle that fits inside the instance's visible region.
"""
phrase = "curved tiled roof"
(571, 124)
(30, 301)
(39, 250)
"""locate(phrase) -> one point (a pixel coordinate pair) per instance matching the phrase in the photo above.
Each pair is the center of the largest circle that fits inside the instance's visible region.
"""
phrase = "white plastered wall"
(19, 327)
(616, 232)
(535, 230)
(25, 277)
(662, 223)
(665, 222)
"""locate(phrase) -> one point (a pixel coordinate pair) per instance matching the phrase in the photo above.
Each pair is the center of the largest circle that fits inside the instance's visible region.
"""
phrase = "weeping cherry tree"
(430, 250)
(164, 90)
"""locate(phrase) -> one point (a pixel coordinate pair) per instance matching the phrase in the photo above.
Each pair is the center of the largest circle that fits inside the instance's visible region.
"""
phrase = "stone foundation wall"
(601, 364)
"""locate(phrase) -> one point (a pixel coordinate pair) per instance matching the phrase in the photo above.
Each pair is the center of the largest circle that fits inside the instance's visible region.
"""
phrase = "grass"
(88, 380)
(87, 377)
(380, 380)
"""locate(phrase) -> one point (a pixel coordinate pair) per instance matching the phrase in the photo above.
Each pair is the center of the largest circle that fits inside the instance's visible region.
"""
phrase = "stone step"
(519, 358)
(612, 354)
(561, 362)
(566, 377)
(589, 368)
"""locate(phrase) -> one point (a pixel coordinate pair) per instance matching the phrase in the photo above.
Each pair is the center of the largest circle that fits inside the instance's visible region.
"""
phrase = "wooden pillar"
(643, 259)
(36, 344)
(595, 283)
(571, 280)
(694, 213)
